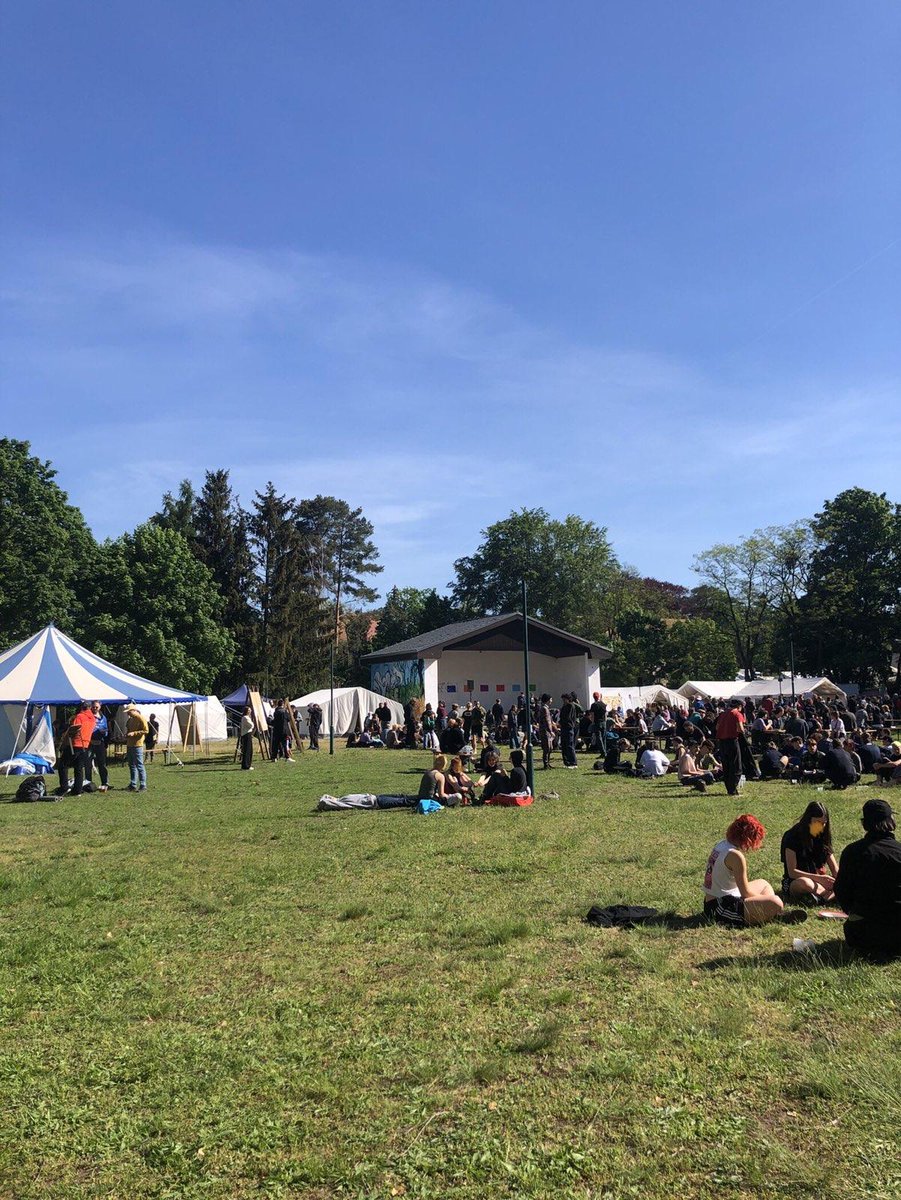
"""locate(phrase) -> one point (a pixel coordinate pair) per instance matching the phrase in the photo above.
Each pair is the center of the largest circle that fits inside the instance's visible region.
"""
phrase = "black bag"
(32, 788)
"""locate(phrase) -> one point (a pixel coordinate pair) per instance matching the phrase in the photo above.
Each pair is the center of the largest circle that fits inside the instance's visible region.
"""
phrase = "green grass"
(211, 991)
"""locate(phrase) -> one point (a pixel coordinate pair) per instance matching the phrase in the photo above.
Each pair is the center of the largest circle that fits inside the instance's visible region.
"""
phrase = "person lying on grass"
(809, 867)
(730, 897)
(433, 785)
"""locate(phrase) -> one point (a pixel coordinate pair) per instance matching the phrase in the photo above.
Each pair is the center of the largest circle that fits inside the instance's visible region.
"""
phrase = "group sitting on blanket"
(866, 882)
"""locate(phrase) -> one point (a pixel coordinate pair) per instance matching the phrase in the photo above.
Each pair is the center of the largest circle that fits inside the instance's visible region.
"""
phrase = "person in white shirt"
(730, 898)
(653, 763)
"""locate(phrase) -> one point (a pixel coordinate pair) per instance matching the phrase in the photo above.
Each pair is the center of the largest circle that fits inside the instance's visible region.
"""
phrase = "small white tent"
(639, 697)
(352, 704)
(174, 722)
(805, 685)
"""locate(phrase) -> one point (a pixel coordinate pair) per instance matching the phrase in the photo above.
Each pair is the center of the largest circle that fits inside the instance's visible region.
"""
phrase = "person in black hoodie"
(868, 885)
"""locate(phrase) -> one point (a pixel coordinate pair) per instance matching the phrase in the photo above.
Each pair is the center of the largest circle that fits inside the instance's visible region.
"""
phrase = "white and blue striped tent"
(51, 668)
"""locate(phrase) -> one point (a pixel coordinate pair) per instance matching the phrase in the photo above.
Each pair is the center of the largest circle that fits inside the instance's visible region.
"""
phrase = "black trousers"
(82, 769)
(246, 751)
(873, 939)
(98, 762)
(314, 737)
(730, 757)
(568, 745)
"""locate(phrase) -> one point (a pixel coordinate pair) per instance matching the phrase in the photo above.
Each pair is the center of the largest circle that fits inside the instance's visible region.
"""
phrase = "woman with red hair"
(730, 898)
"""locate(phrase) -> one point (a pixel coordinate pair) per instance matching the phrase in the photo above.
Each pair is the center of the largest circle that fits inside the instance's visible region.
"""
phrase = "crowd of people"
(82, 742)
(865, 882)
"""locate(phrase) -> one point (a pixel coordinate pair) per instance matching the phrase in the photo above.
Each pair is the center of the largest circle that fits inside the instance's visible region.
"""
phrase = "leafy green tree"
(568, 565)
(850, 615)
(697, 648)
(410, 611)
(221, 542)
(638, 649)
(150, 606)
(44, 546)
(742, 573)
(291, 655)
(341, 551)
(178, 512)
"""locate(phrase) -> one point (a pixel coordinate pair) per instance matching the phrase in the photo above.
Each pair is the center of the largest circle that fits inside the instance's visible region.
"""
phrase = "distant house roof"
(501, 632)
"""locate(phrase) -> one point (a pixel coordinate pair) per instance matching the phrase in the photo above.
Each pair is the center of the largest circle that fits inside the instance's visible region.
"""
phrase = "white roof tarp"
(51, 668)
(639, 697)
(352, 705)
(209, 714)
(712, 689)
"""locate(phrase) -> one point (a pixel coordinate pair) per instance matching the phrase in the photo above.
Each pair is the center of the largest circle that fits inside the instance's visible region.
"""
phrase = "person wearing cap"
(135, 731)
(868, 885)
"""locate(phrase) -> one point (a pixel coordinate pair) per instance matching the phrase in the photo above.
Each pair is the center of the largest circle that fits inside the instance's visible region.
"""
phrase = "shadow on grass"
(823, 957)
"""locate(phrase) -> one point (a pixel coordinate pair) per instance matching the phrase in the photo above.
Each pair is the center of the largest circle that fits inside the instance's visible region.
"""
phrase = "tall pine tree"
(222, 545)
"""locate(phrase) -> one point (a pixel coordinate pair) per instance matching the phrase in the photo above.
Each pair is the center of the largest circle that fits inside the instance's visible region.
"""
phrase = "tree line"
(208, 592)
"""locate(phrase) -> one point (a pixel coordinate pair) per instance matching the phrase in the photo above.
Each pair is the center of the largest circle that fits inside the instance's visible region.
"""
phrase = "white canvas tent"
(13, 732)
(351, 707)
(176, 721)
(639, 697)
(726, 689)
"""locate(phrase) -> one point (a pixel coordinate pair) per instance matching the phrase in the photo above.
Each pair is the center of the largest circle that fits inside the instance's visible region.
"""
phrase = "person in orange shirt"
(79, 733)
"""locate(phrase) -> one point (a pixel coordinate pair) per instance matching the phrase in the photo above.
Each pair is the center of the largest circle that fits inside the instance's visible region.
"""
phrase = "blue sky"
(638, 262)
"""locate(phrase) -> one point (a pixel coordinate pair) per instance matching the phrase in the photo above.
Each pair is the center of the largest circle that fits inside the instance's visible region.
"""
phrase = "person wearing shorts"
(730, 898)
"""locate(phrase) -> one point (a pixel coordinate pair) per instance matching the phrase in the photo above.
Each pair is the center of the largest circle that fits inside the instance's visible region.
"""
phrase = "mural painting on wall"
(398, 680)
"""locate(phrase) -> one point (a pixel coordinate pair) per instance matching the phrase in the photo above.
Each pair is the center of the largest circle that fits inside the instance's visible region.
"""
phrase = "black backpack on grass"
(32, 788)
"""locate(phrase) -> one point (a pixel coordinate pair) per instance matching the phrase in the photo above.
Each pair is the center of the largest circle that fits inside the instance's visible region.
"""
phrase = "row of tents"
(51, 670)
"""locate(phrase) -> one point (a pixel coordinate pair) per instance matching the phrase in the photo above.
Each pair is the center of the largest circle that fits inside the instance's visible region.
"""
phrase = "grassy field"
(211, 991)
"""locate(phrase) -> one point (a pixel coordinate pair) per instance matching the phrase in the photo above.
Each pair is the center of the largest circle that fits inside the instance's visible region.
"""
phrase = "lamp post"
(530, 767)
(331, 699)
(791, 659)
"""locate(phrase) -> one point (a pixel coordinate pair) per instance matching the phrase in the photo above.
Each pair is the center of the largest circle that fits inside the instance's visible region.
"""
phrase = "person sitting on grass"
(868, 885)
(653, 763)
(889, 770)
(707, 760)
(456, 780)
(690, 774)
(730, 897)
(433, 785)
(808, 862)
(772, 763)
(839, 767)
(611, 763)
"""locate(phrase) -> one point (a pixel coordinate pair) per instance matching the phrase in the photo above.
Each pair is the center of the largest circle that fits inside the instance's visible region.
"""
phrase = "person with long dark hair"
(808, 861)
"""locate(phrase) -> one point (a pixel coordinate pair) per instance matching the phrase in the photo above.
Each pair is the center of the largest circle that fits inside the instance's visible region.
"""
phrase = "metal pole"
(791, 656)
(331, 700)
(530, 766)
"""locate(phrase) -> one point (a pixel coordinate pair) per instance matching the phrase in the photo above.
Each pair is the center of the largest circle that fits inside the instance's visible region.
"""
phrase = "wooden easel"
(261, 722)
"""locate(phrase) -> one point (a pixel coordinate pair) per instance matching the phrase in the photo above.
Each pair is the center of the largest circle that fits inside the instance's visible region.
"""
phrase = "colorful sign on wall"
(402, 680)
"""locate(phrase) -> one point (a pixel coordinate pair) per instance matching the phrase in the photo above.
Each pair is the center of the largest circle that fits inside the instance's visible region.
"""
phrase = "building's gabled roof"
(501, 632)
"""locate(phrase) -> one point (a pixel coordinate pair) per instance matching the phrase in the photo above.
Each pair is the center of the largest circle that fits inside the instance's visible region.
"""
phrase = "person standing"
(314, 724)
(729, 728)
(81, 729)
(568, 731)
(247, 730)
(280, 727)
(545, 730)
(598, 711)
(513, 726)
(135, 732)
(153, 736)
(99, 739)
